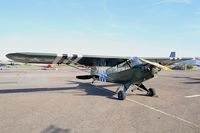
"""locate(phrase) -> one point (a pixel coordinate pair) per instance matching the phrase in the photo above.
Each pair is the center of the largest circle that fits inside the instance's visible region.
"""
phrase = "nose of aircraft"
(154, 70)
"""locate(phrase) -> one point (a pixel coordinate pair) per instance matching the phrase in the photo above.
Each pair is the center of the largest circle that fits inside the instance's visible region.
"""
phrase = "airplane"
(123, 70)
(86, 60)
(130, 72)
(6, 64)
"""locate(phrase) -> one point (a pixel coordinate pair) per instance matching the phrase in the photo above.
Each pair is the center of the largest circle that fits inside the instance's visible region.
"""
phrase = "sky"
(148, 28)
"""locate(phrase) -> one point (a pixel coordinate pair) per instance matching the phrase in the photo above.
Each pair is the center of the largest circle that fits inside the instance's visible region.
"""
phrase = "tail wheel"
(151, 92)
(121, 95)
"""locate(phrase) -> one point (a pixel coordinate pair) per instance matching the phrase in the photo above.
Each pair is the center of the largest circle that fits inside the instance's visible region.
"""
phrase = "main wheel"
(121, 95)
(151, 92)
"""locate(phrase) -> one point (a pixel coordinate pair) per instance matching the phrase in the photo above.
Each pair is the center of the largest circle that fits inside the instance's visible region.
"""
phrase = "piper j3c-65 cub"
(130, 72)
(123, 70)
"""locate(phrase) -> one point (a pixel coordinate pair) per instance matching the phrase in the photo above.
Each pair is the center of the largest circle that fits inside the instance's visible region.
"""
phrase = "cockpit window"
(134, 61)
(125, 65)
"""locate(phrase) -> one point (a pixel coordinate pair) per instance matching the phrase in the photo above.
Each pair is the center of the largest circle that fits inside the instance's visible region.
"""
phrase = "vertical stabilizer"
(93, 70)
(173, 55)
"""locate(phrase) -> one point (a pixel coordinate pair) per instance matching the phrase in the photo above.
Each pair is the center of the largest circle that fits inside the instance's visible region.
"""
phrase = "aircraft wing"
(51, 58)
(86, 60)
(166, 60)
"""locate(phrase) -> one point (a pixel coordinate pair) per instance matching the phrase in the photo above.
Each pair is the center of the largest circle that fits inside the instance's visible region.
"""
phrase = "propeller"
(156, 65)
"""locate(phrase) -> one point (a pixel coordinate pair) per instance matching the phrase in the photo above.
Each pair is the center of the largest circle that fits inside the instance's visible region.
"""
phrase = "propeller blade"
(156, 65)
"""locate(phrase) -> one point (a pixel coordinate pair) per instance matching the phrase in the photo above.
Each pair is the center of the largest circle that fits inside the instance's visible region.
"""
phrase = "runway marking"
(157, 110)
(192, 96)
(162, 112)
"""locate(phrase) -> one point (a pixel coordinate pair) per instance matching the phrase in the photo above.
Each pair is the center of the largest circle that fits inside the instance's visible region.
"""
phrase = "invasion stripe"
(57, 59)
(77, 59)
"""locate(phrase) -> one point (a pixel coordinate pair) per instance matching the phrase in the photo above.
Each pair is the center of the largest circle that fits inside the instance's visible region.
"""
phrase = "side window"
(123, 66)
(112, 69)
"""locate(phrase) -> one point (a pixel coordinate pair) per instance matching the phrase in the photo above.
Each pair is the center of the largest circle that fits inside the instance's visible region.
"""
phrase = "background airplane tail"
(172, 55)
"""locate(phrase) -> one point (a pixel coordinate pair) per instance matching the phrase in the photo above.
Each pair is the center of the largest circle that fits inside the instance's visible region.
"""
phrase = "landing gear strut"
(122, 93)
(150, 92)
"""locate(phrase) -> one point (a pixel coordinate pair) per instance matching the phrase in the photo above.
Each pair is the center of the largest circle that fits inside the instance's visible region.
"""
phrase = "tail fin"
(93, 70)
(173, 55)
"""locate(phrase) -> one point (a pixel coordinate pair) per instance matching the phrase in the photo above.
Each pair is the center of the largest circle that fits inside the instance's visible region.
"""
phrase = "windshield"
(134, 61)
(125, 65)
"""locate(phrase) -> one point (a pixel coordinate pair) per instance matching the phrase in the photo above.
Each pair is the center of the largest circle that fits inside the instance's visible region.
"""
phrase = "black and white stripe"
(65, 59)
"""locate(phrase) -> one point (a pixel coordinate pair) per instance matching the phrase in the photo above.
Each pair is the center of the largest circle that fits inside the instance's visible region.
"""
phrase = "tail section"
(100, 75)
(95, 74)
(173, 55)
(93, 70)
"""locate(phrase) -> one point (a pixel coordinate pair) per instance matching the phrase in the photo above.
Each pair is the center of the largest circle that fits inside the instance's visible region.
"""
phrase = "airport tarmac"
(54, 101)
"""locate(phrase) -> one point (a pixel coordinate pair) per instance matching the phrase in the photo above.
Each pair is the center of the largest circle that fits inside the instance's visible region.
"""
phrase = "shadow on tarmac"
(191, 80)
(87, 87)
(54, 129)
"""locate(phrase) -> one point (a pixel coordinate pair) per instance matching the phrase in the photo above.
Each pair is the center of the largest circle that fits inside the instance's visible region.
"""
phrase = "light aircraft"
(123, 70)
(6, 64)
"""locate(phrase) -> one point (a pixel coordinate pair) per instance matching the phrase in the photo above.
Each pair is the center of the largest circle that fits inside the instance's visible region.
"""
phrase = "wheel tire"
(151, 92)
(121, 95)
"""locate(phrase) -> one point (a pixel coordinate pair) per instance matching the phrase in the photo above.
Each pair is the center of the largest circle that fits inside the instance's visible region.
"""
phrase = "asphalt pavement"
(54, 101)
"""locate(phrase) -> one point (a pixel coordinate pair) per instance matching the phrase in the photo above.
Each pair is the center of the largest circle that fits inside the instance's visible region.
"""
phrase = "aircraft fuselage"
(134, 75)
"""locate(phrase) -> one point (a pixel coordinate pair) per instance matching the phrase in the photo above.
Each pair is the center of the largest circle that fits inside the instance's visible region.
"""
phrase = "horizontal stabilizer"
(87, 76)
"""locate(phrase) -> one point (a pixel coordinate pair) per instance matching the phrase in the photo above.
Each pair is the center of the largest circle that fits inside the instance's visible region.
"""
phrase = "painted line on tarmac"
(162, 112)
(157, 110)
(192, 96)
